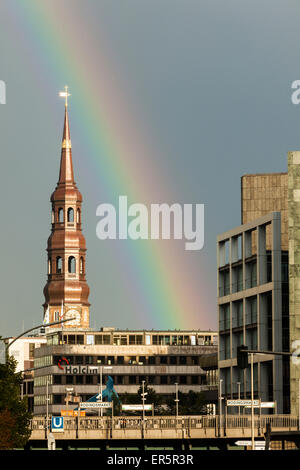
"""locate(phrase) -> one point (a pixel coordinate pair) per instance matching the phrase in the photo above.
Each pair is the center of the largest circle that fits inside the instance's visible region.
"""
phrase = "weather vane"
(65, 94)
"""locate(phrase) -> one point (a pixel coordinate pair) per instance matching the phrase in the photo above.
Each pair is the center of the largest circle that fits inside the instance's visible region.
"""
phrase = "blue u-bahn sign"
(57, 424)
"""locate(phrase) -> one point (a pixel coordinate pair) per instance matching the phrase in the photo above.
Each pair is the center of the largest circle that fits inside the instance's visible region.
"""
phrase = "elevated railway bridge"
(164, 432)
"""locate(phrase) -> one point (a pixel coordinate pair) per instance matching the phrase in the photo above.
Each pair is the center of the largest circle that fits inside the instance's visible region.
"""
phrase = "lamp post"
(239, 395)
(220, 404)
(252, 407)
(8, 345)
(176, 399)
(299, 404)
(47, 409)
(143, 398)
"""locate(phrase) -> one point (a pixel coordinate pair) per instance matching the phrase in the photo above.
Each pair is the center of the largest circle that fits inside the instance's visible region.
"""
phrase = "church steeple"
(66, 175)
(66, 292)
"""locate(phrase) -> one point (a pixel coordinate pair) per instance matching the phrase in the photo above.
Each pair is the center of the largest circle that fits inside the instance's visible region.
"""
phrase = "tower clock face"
(73, 314)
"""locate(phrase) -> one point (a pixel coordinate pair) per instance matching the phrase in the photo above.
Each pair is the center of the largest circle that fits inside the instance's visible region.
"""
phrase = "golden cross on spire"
(65, 94)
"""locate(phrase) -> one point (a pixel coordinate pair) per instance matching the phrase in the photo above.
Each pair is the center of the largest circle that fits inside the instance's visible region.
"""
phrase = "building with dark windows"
(253, 293)
(77, 359)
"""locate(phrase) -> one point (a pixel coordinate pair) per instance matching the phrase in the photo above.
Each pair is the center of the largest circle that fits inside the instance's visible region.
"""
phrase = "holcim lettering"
(81, 370)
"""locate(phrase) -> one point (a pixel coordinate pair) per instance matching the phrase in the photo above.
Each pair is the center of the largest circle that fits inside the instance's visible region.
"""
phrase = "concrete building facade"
(250, 308)
(77, 359)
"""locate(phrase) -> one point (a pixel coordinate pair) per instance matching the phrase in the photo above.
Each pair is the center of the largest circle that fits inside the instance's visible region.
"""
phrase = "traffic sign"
(264, 404)
(95, 404)
(258, 445)
(242, 403)
(57, 424)
(136, 407)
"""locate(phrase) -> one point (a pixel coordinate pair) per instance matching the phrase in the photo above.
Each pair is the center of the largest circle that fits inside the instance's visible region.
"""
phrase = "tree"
(191, 403)
(14, 417)
(151, 397)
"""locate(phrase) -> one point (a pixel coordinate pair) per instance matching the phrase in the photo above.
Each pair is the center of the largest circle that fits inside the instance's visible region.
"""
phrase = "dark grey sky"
(209, 85)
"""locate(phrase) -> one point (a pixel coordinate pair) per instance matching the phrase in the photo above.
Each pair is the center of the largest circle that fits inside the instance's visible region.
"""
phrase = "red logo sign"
(63, 359)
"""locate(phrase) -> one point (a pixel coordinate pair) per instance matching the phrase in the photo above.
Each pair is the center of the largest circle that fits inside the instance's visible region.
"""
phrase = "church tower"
(66, 292)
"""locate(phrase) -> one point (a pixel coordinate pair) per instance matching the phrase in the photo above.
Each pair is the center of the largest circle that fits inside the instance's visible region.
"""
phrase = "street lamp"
(7, 345)
(220, 403)
(176, 399)
(143, 399)
(239, 395)
(252, 405)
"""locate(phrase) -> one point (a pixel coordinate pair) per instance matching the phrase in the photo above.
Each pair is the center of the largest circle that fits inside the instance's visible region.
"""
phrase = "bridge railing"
(170, 422)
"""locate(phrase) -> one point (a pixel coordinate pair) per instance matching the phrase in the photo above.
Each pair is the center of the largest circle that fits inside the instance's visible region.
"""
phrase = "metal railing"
(286, 422)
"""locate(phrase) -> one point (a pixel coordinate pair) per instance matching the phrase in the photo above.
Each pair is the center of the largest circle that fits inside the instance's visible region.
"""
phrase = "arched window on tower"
(61, 215)
(81, 265)
(71, 264)
(59, 265)
(70, 214)
(49, 266)
(52, 217)
(78, 216)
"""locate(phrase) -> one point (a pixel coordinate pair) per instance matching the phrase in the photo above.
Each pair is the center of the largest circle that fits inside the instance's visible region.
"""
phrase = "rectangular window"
(132, 360)
(120, 360)
(131, 339)
(80, 339)
(89, 379)
(164, 359)
(90, 339)
(69, 379)
(148, 340)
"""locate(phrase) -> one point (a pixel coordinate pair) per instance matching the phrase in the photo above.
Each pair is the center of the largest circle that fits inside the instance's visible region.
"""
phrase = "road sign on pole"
(259, 445)
(95, 404)
(242, 403)
(57, 424)
(137, 407)
(264, 404)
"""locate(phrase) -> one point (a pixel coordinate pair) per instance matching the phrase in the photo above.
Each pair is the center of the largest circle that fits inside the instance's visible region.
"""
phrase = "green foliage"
(191, 403)
(14, 418)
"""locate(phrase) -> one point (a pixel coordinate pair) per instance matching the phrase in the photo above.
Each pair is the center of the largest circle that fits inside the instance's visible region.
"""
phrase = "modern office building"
(253, 291)
(251, 310)
(77, 359)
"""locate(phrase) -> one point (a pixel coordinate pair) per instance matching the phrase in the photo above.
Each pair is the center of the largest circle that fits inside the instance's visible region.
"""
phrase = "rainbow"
(113, 143)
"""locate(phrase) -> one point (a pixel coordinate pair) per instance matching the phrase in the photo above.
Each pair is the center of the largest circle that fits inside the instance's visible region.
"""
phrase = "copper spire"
(66, 174)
